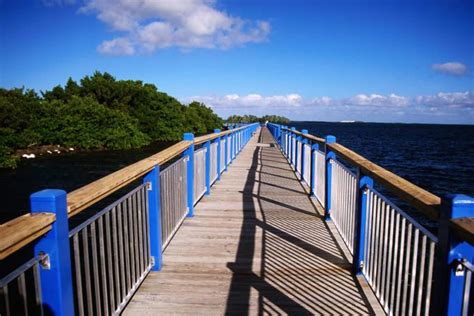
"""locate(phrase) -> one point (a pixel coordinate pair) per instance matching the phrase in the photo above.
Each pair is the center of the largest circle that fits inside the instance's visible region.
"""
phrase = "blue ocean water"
(438, 158)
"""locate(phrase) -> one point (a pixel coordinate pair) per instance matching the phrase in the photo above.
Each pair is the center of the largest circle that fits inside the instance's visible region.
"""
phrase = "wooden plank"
(89, 194)
(425, 201)
(22, 230)
(464, 228)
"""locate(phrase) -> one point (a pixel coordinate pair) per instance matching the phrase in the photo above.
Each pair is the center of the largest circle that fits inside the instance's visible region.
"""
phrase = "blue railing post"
(218, 164)
(363, 183)
(153, 186)
(292, 150)
(297, 153)
(329, 155)
(287, 148)
(303, 162)
(450, 285)
(207, 173)
(279, 134)
(226, 152)
(312, 185)
(189, 153)
(56, 280)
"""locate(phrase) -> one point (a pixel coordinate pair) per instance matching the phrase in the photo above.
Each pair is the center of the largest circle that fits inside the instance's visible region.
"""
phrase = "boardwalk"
(256, 245)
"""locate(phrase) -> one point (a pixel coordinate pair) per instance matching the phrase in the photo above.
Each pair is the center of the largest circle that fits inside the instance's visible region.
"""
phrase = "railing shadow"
(302, 270)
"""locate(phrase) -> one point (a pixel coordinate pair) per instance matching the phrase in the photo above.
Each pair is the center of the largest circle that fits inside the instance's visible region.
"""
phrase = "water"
(62, 171)
(439, 158)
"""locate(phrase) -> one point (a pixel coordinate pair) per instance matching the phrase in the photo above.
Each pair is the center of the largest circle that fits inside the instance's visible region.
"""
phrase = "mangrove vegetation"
(98, 112)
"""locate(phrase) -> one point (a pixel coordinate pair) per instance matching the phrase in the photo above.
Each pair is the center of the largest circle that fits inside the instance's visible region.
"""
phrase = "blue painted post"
(279, 135)
(189, 153)
(363, 183)
(297, 153)
(452, 251)
(303, 162)
(56, 282)
(226, 151)
(329, 155)
(154, 211)
(293, 135)
(218, 164)
(312, 186)
(207, 172)
(288, 143)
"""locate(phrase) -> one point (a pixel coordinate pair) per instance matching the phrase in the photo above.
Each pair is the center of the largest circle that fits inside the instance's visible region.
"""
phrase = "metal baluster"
(109, 258)
(422, 274)
(117, 257)
(131, 231)
(394, 265)
(140, 232)
(95, 270)
(389, 247)
(413, 272)
(103, 273)
(87, 267)
(122, 254)
(126, 248)
(400, 265)
(407, 266)
(429, 277)
(6, 299)
(22, 292)
(77, 266)
(38, 294)
(384, 252)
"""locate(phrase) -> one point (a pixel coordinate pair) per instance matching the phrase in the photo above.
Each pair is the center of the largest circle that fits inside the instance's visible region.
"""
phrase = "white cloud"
(117, 46)
(148, 25)
(448, 100)
(451, 68)
(250, 101)
(441, 107)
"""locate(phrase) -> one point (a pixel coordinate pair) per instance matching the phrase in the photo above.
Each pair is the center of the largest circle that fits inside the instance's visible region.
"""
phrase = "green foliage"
(98, 113)
(252, 119)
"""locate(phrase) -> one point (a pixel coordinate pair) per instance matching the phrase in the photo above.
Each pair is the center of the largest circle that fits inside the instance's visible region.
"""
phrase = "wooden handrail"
(204, 138)
(89, 194)
(313, 138)
(425, 201)
(464, 228)
(22, 230)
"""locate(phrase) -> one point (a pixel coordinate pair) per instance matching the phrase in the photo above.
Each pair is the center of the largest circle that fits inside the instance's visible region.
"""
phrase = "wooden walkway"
(256, 245)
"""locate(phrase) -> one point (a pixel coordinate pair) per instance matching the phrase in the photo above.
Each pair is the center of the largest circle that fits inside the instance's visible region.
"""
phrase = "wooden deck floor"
(256, 245)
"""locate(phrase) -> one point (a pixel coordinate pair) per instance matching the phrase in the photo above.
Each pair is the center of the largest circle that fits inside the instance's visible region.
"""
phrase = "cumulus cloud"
(253, 100)
(147, 25)
(391, 102)
(451, 68)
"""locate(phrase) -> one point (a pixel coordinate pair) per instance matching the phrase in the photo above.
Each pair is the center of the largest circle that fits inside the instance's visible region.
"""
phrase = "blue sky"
(388, 61)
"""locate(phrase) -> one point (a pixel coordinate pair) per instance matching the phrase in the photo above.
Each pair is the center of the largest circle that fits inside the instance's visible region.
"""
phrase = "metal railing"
(173, 197)
(95, 268)
(199, 173)
(111, 255)
(395, 253)
(20, 291)
(399, 257)
(343, 202)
